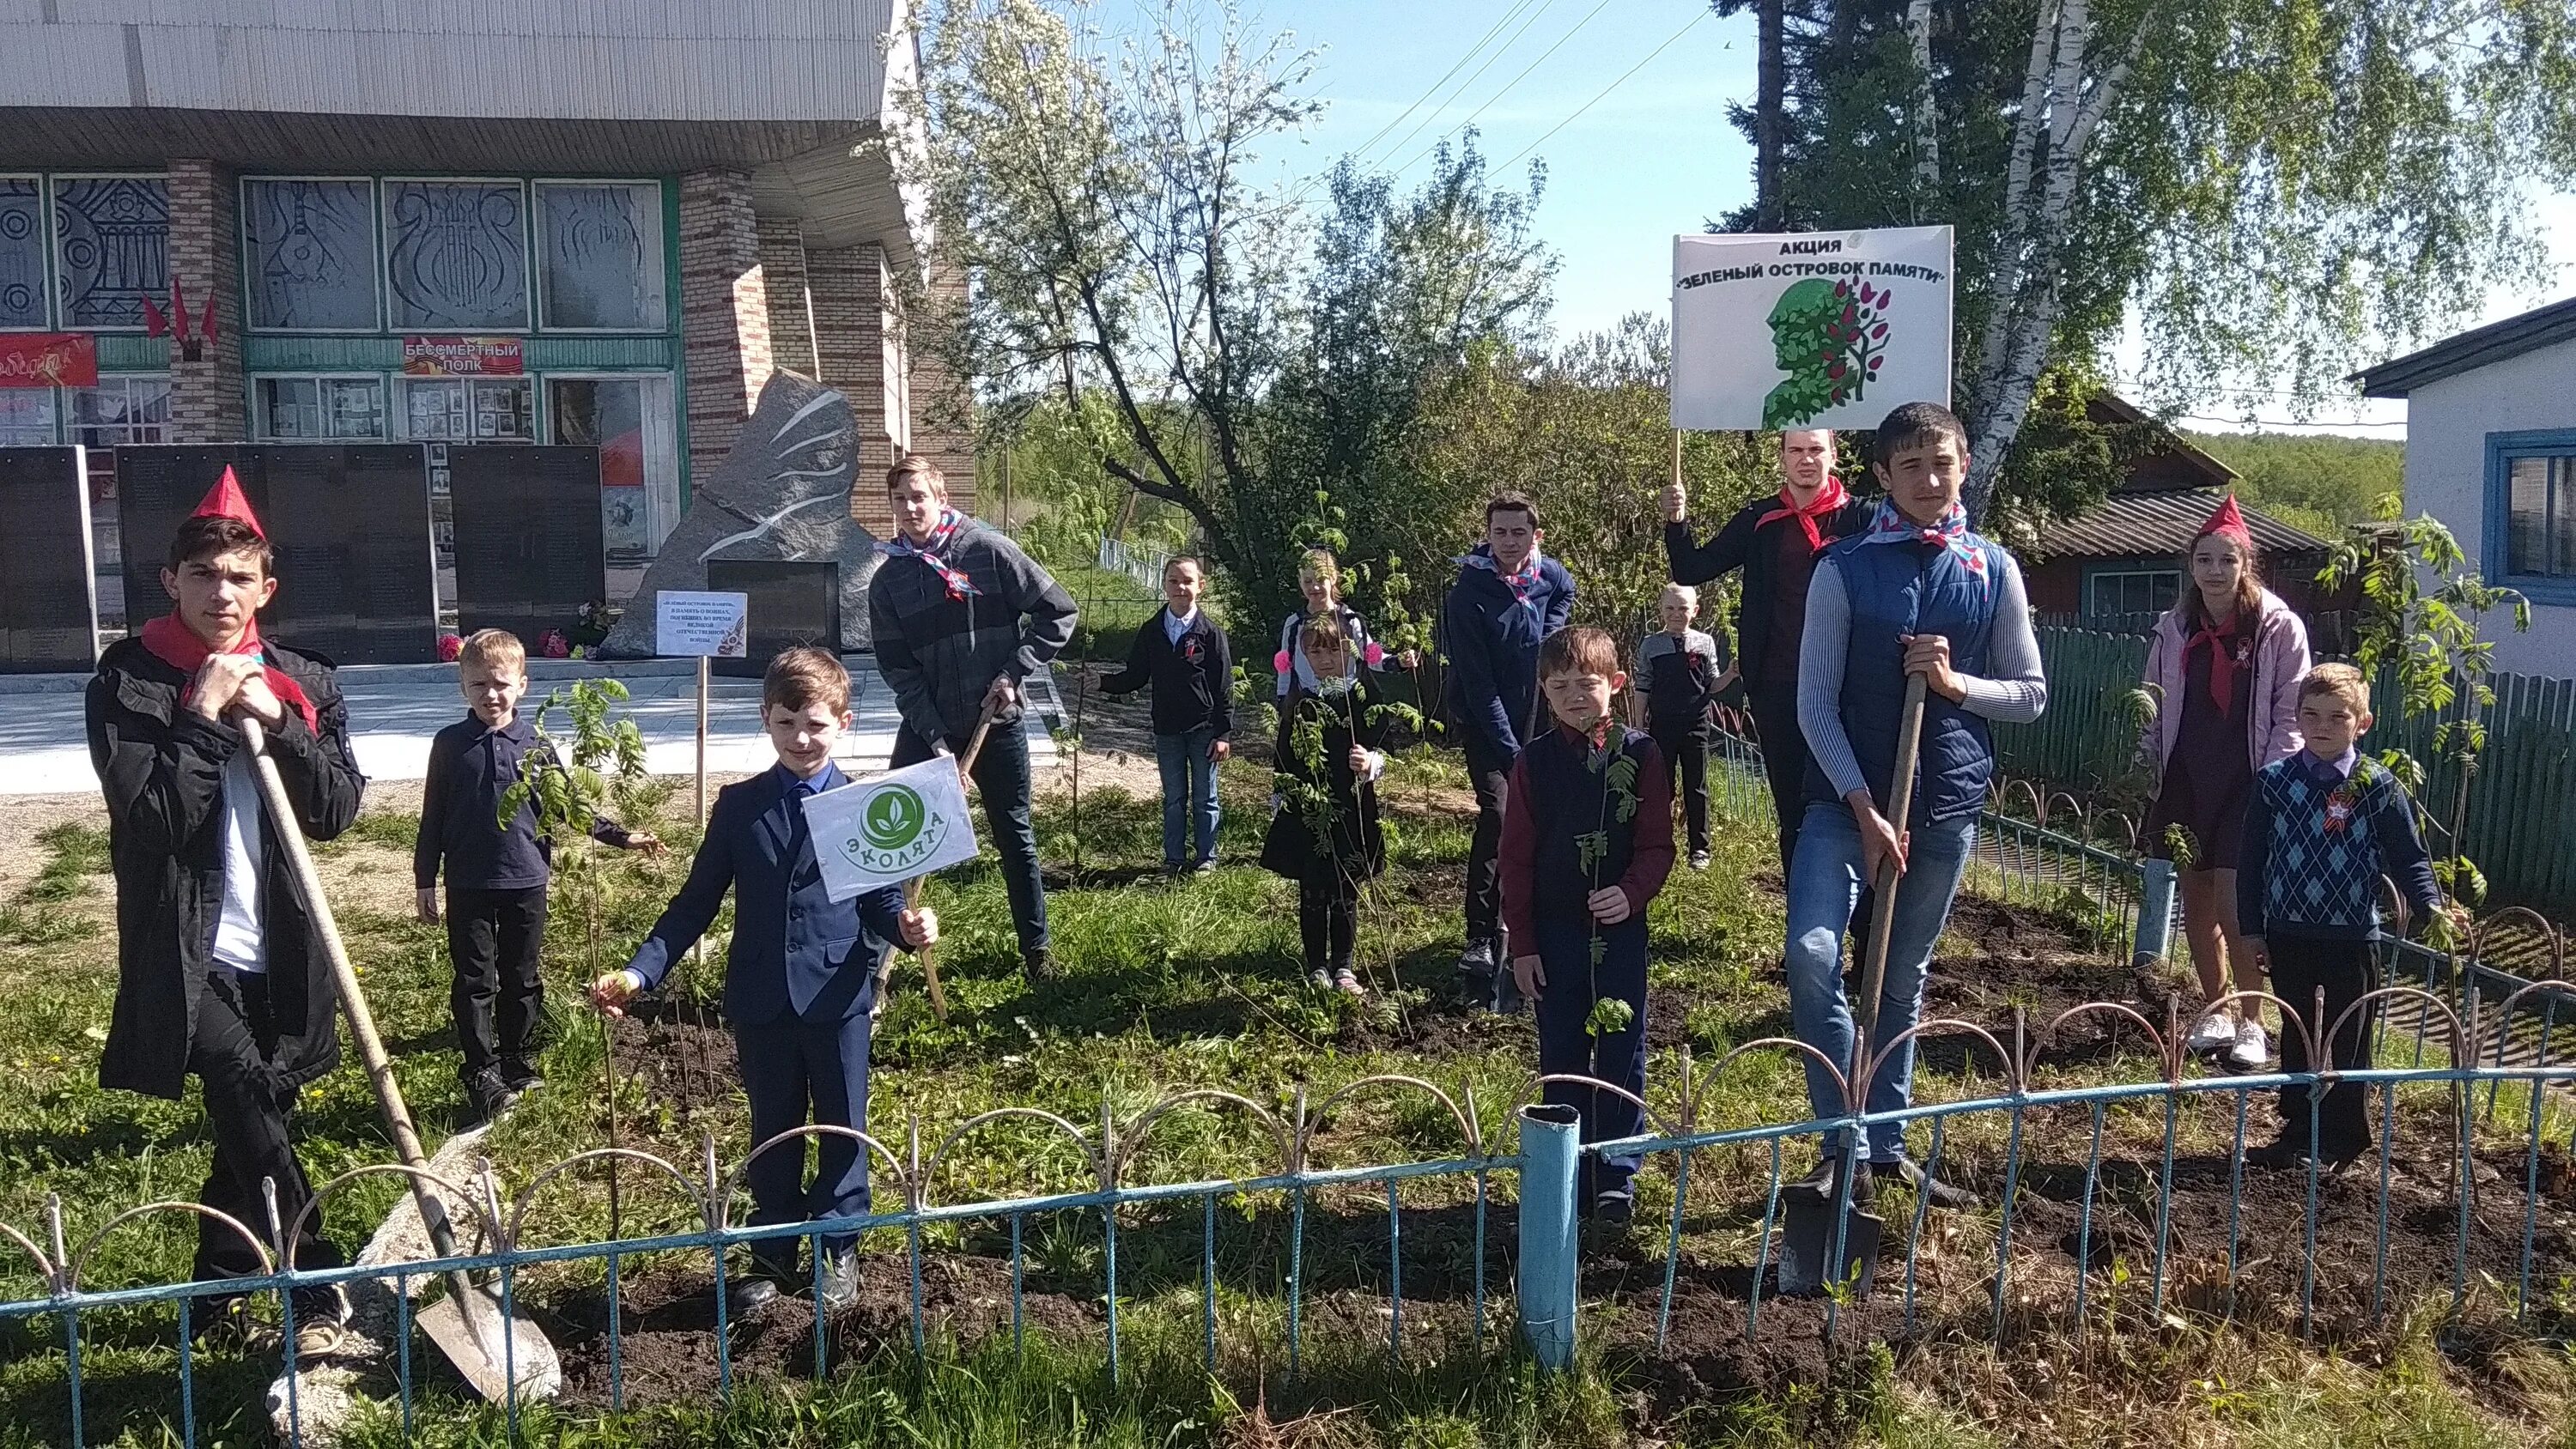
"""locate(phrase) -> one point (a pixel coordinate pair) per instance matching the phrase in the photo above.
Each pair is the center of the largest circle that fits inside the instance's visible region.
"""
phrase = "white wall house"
(2491, 451)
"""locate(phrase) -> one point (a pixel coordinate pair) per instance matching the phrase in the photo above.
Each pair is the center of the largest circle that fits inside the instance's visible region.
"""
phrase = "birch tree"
(2276, 190)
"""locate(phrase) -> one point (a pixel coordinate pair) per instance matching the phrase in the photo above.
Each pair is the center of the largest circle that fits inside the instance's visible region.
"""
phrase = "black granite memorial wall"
(349, 526)
(530, 548)
(791, 604)
(48, 597)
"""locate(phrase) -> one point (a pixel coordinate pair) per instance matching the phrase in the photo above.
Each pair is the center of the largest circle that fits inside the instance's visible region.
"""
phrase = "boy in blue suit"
(799, 975)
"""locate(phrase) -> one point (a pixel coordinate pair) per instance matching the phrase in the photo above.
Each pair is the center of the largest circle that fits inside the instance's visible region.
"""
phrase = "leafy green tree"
(2323, 484)
(1402, 287)
(2269, 185)
(1587, 435)
(1100, 202)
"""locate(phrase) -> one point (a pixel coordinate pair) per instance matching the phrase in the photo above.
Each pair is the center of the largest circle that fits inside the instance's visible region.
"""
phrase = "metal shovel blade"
(481, 1352)
(1807, 1245)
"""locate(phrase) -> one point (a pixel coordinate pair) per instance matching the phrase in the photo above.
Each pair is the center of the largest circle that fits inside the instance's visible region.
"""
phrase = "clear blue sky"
(1652, 155)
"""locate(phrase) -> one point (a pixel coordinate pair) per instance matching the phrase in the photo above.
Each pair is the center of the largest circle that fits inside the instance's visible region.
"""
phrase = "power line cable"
(1364, 147)
(1507, 87)
(1604, 91)
(1535, 17)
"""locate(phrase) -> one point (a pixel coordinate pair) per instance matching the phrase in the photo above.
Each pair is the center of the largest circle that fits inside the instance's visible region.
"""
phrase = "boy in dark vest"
(1915, 593)
(2322, 828)
(1587, 842)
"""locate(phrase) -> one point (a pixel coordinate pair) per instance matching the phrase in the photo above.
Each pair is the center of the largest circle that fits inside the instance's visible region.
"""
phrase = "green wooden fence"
(2522, 803)
(2085, 739)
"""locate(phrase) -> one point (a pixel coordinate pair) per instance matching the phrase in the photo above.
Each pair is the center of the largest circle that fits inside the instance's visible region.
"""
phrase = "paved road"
(394, 711)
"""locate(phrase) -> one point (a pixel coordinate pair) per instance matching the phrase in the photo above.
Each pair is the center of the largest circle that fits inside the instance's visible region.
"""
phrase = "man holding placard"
(800, 973)
(1775, 540)
(960, 616)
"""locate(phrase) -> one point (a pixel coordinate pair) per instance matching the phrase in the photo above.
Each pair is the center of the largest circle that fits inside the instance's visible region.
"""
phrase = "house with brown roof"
(2118, 564)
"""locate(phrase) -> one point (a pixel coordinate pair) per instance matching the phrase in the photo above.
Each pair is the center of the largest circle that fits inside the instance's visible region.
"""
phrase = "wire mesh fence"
(2117, 1183)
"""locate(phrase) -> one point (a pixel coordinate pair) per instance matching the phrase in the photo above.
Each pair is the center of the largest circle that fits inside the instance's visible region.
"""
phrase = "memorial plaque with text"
(349, 526)
(530, 549)
(792, 604)
(48, 595)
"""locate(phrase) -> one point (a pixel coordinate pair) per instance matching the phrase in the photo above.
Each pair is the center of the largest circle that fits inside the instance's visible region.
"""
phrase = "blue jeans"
(1189, 792)
(1825, 882)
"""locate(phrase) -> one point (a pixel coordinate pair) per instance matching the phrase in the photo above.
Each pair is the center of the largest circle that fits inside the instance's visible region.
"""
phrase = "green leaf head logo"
(1830, 337)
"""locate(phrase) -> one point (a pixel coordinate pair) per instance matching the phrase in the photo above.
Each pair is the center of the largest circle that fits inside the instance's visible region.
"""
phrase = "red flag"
(155, 324)
(178, 310)
(207, 330)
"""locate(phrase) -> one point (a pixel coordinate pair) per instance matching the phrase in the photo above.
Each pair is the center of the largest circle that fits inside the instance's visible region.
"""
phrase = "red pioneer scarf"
(1828, 498)
(175, 644)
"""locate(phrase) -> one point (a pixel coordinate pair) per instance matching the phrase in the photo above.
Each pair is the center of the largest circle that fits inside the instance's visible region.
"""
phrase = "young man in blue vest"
(799, 974)
(1914, 593)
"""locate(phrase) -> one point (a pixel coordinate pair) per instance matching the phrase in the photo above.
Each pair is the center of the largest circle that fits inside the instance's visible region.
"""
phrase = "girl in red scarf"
(2224, 667)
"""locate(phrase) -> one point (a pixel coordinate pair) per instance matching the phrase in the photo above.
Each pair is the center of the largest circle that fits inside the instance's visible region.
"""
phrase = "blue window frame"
(2530, 533)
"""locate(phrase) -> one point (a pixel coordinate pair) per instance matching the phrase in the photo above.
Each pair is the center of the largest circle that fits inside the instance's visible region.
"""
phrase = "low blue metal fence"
(2470, 1024)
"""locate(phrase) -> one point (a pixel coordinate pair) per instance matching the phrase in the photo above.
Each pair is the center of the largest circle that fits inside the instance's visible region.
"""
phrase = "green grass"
(1167, 986)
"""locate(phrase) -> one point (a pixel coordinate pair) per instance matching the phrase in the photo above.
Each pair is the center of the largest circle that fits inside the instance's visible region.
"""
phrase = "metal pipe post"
(1551, 1154)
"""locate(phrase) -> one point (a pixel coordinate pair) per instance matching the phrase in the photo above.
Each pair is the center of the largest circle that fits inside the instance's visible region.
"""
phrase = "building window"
(600, 256)
(309, 254)
(120, 411)
(456, 254)
(2132, 591)
(22, 254)
(2540, 515)
(629, 420)
(469, 410)
(112, 244)
(26, 417)
(321, 409)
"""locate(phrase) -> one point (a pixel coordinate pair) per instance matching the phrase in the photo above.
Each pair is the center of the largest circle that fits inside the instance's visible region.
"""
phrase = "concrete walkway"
(394, 710)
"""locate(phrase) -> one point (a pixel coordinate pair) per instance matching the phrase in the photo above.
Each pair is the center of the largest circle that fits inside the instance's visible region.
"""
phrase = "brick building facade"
(647, 209)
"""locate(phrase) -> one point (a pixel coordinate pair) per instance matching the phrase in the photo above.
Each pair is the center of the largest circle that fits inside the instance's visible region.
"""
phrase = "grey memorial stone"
(781, 495)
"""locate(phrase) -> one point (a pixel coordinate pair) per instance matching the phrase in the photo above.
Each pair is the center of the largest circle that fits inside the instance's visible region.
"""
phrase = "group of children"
(1585, 844)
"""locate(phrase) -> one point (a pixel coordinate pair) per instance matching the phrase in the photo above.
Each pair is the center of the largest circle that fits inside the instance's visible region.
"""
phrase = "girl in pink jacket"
(2224, 667)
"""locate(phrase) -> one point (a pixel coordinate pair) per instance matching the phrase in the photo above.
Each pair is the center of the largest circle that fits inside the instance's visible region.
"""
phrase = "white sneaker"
(2253, 1050)
(2210, 1035)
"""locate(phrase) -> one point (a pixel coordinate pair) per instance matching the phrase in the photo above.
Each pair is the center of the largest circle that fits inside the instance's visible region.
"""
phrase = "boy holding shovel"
(221, 969)
(799, 975)
(1913, 594)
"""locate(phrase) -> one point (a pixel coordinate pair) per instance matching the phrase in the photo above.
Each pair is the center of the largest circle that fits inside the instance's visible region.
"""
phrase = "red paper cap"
(225, 500)
(2229, 520)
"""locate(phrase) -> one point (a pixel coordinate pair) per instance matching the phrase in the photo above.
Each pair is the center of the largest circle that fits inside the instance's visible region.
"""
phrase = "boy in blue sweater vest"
(1587, 842)
(2322, 828)
(799, 975)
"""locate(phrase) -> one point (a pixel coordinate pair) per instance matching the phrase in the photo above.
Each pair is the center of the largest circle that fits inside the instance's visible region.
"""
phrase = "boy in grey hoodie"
(960, 617)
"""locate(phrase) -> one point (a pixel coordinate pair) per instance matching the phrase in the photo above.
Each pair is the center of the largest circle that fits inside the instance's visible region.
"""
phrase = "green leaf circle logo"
(893, 818)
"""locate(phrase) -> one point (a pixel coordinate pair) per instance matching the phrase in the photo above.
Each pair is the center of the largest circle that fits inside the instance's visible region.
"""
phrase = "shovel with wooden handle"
(488, 1347)
(1818, 1221)
(912, 887)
